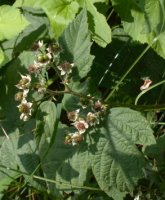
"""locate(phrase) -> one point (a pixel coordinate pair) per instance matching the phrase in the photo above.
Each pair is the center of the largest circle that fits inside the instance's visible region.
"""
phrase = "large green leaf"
(27, 157)
(76, 44)
(60, 12)
(8, 160)
(37, 28)
(118, 164)
(66, 165)
(12, 22)
(46, 119)
(144, 21)
(101, 32)
(156, 151)
(19, 151)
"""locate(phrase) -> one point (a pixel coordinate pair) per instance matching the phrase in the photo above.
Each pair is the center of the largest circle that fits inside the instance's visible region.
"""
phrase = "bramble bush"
(82, 99)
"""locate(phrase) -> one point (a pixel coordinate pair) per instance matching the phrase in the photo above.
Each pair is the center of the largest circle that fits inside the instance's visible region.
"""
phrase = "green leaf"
(60, 12)
(71, 102)
(28, 159)
(76, 45)
(8, 90)
(66, 165)
(37, 28)
(46, 119)
(12, 22)
(144, 21)
(156, 151)
(101, 32)
(2, 57)
(118, 164)
(8, 160)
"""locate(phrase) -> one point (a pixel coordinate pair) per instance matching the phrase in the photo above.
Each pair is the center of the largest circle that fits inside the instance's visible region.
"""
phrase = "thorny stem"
(136, 107)
(69, 91)
(129, 70)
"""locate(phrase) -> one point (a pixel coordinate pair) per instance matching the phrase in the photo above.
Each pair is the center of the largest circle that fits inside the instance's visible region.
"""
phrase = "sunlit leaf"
(144, 21)
(12, 22)
(76, 45)
(60, 12)
(101, 32)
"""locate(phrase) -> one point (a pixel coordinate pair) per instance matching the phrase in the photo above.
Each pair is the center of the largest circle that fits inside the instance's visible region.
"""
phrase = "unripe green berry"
(45, 57)
(40, 58)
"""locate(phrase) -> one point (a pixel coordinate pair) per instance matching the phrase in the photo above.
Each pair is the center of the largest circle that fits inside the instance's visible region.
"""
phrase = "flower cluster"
(46, 55)
(83, 119)
(25, 107)
(43, 59)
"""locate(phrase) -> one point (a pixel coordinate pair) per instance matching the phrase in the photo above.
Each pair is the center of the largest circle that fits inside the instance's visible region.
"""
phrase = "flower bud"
(18, 96)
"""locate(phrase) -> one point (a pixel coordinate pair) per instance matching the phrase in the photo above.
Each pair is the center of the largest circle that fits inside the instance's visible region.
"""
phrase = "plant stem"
(69, 91)
(110, 14)
(65, 183)
(50, 180)
(145, 91)
(127, 72)
(140, 107)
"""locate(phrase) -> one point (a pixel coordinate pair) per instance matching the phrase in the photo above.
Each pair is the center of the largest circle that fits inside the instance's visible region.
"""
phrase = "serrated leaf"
(76, 45)
(156, 151)
(133, 124)
(64, 165)
(46, 119)
(60, 12)
(101, 32)
(8, 160)
(147, 21)
(12, 22)
(37, 28)
(28, 159)
(118, 164)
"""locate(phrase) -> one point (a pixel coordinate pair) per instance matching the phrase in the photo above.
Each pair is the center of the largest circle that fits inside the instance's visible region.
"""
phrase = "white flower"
(34, 68)
(73, 138)
(137, 197)
(92, 119)
(81, 125)
(24, 83)
(25, 108)
(76, 138)
(146, 84)
(65, 68)
(40, 43)
(73, 115)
